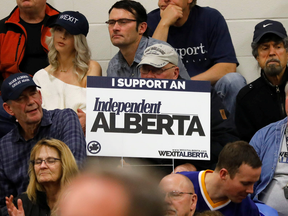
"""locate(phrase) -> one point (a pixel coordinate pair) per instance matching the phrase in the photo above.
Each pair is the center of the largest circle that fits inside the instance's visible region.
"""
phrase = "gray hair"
(269, 37)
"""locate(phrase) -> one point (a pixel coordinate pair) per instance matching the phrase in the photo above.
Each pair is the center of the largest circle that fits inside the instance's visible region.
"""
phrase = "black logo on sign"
(94, 147)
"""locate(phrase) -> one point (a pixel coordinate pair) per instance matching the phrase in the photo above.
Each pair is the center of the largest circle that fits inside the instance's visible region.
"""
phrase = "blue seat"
(266, 210)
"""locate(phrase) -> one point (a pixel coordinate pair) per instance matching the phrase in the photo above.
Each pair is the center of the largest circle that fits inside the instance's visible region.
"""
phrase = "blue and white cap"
(14, 85)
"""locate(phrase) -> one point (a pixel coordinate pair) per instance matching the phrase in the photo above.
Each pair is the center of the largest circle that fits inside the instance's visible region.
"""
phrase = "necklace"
(62, 70)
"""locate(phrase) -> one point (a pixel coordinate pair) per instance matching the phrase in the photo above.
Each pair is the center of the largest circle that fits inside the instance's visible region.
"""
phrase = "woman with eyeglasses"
(52, 165)
(63, 81)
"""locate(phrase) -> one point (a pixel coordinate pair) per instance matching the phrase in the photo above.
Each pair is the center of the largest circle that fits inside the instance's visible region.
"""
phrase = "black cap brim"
(273, 32)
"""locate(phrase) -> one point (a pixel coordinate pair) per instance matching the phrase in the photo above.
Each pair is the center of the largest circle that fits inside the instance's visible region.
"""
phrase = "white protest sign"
(148, 118)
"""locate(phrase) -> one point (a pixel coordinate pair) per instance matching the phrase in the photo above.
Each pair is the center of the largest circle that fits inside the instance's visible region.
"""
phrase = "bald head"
(181, 203)
(94, 196)
(177, 182)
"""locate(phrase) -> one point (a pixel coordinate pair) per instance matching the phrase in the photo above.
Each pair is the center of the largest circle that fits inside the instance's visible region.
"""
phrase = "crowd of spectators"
(44, 64)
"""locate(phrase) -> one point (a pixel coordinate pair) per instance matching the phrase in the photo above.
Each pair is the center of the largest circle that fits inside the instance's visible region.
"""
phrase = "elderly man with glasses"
(180, 197)
(160, 61)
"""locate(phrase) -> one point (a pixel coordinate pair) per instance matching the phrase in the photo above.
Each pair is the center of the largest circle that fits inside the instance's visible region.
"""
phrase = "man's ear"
(223, 174)
(194, 199)
(142, 28)
(176, 73)
(8, 109)
(40, 95)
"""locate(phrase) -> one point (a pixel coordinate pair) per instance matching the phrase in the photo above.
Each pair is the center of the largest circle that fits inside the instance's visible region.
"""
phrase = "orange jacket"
(13, 40)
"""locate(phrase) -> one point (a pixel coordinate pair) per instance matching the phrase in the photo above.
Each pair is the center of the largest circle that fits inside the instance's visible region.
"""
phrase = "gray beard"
(273, 70)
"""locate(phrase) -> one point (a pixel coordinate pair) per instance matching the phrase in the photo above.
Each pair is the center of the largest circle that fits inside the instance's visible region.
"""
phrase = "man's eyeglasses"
(121, 22)
(158, 71)
(48, 161)
(176, 194)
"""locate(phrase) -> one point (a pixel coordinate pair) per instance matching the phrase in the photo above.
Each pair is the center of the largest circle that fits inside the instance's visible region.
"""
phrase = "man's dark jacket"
(259, 104)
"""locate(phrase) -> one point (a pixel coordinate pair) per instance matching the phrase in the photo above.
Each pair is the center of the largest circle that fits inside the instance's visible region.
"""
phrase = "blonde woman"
(52, 165)
(63, 82)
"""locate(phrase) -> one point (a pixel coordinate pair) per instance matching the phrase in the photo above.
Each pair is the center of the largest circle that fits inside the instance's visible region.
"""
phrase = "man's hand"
(170, 14)
(82, 119)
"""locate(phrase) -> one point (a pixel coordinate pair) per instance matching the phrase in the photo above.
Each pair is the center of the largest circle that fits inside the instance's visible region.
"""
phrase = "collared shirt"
(15, 150)
(267, 143)
(118, 66)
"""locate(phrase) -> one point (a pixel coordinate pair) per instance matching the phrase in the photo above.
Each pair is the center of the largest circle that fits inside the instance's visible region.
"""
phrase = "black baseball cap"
(73, 21)
(14, 85)
(268, 26)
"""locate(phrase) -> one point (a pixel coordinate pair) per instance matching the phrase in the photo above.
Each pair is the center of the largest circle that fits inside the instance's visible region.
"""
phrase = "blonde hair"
(69, 166)
(82, 55)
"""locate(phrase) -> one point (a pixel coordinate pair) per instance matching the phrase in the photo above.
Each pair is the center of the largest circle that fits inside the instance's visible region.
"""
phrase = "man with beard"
(263, 101)
(180, 197)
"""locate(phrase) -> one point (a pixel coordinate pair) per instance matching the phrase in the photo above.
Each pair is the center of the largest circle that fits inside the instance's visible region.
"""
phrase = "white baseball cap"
(159, 55)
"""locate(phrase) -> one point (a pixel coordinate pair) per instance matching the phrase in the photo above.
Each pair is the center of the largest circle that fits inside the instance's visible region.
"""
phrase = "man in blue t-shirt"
(201, 37)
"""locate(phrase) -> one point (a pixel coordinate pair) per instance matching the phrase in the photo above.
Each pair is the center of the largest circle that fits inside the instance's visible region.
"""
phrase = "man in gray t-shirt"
(128, 31)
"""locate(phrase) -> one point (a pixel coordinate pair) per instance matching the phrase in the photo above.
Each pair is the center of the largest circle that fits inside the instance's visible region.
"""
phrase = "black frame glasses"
(48, 161)
(120, 22)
